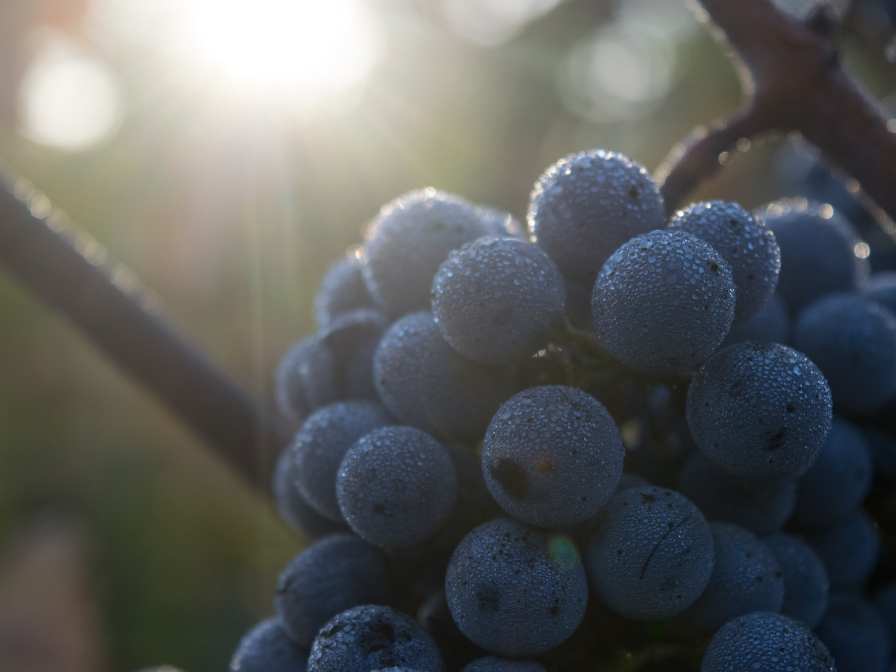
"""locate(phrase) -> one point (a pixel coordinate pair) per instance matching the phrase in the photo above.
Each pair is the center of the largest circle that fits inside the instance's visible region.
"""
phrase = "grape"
(849, 549)
(885, 603)
(435, 617)
(746, 577)
(492, 664)
(770, 324)
(514, 590)
(855, 634)
(587, 204)
(351, 339)
(806, 584)
(748, 246)
(838, 481)
(663, 302)
(396, 486)
(342, 290)
(652, 555)
(321, 443)
(396, 367)
(501, 223)
(881, 287)
(458, 395)
(817, 251)
(368, 638)
(267, 648)
(552, 456)
(425, 383)
(292, 507)
(330, 576)
(453, 380)
(766, 642)
(410, 237)
(474, 502)
(335, 363)
(853, 341)
(882, 448)
(305, 379)
(761, 506)
(759, 410)
(497, 299)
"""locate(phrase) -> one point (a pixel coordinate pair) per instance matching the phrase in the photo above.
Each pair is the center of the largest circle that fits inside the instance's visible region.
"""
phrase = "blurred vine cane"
(793, 82)
(70, 273)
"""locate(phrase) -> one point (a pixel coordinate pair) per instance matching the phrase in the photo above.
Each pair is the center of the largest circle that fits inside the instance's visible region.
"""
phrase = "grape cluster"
(610, 440)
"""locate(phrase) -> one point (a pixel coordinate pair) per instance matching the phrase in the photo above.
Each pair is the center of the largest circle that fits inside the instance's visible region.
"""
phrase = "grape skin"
(552, 456)
(849, 549)
(338, 572)
(460, 396)
(368, 637)
(293, 508)
(817, 251)
(588, 204)
(305, 379)
(426, 384)
(663, 302)
(341, 290)
(839, 480)
(748, 246)
(351, 339)
(746, 577)
(759, 505)
(500, 223)
(881, 287)
(321, 443)
(770, 324)
(855, 634)
(396, 367)
(514, 590)
(885, 603)
(396, 486)
(408, 241)
(853, 341)
(768, 642)
(806, 584)
(759, 410)
(652, 555)
(267, 648)
(497, 299)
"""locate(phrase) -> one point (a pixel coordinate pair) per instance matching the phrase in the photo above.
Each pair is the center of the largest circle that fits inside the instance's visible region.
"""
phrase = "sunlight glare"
(282, 49)
(68, 99)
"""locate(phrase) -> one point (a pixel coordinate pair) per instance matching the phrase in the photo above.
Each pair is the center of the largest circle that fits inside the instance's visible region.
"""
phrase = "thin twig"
(70, 273)
(793, 82)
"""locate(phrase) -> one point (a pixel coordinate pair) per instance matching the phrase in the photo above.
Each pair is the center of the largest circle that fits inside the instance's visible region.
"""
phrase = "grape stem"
(793, 82)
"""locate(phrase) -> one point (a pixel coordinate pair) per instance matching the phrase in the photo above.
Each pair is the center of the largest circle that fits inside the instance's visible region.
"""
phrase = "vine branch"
(70, 272)
(793, 81)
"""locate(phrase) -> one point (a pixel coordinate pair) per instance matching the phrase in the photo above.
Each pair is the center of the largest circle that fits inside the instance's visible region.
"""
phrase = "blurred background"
(227, 151)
